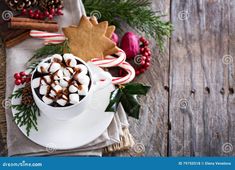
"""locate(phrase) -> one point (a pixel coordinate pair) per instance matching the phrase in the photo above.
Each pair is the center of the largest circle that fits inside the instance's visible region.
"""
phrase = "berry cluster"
(141, 61)
(38, 14)
(21, 78)
(145, 57)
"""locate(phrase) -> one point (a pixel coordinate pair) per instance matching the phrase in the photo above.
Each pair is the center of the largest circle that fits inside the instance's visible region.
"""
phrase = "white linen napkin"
(17, 56)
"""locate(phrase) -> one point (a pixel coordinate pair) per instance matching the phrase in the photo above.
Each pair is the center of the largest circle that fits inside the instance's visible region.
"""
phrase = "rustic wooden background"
(190, 110)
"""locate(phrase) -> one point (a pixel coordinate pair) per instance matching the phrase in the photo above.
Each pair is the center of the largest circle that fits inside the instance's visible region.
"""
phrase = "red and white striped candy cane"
(109, 61)
(49, 38)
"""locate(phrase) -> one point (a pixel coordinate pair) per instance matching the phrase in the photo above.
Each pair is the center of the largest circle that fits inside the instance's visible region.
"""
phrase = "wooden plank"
(201, 108)
(3, 129)
(152, 127)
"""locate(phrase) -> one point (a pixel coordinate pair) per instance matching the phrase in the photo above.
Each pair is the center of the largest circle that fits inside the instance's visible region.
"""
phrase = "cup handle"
(101, 80)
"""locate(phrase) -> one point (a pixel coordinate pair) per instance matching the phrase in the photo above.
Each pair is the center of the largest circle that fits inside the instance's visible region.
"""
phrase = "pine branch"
(26, 116)
(136, 13)
(49, 50)
(17, 93)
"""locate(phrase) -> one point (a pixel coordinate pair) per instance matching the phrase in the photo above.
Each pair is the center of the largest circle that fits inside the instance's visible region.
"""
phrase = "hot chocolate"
(61, 81)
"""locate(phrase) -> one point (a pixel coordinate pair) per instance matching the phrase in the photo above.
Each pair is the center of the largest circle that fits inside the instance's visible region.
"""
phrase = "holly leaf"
(114, 100)
(136, 88)
(127, 95)
(130, 105)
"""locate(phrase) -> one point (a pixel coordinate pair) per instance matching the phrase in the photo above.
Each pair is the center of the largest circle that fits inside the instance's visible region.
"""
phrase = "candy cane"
(109, 61)
(49, 38)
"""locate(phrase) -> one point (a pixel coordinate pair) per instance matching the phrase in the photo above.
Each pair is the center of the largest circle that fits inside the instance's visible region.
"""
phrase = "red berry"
(36, 15)
(41, 16)
(146, 54)
(31, 15)
(142, 39)
(47, 13)
(17, 75)
(142, 70)
(137, 72)
(17, 81)
(50, 16)
(28, 79)
(148, 59)
(59, 11)
(149, 53)
(22, 73)
(23, 80)
(30, 11)
(24, 11)
(37, 11)
(147, 64)
(143, 58)
(52, 11)
(142, 62)
(146, 43)
(146, 49)
(142, 50)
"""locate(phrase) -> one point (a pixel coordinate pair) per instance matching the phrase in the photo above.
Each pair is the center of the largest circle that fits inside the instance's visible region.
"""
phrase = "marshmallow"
(64, 82)
(45, 80)
(43, 89)
(63, 100)
(57, 88)
(73, 88)
(82, 90)
(82, 79)
(52, 93)
(43, 67)
(36, 82)
(47, 100)
(58, 74)
(71, 62)
(67, 56)
(68, 72)
(54, 67)
(81, 68)
(74, 98)
(57, 58)
(54, 83)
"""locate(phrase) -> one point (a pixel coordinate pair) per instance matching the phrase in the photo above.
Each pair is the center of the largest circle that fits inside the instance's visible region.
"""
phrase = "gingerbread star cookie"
(88, 40)
(109, 32)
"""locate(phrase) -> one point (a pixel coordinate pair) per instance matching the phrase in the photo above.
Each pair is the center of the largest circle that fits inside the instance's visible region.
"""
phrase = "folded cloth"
(18, 144)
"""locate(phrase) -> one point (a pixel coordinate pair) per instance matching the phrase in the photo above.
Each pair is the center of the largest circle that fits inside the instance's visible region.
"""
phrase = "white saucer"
(76, 132)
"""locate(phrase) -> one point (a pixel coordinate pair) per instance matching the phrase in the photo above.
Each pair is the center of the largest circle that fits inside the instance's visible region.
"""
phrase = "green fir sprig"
(17, 93)
(26, 114)
(49, 50)
(136, 13)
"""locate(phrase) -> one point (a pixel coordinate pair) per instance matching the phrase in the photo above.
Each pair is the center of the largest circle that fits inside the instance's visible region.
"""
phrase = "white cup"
(70, 112)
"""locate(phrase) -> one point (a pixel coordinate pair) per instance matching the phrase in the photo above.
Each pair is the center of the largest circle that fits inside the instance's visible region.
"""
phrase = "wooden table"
(190, 109)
